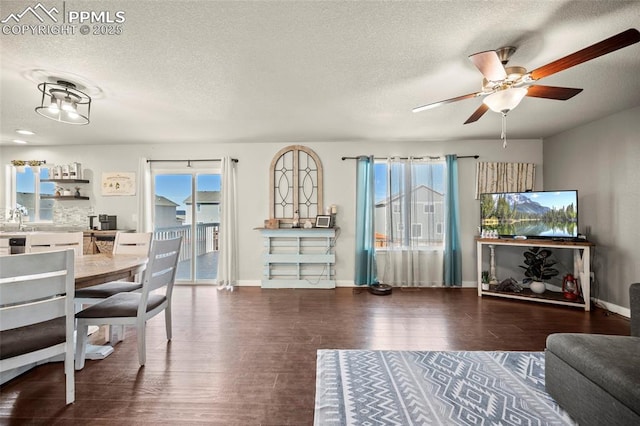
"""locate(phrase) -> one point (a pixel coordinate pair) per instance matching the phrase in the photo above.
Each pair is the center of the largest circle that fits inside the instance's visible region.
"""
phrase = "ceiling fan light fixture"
(67, 104)
(505, 100)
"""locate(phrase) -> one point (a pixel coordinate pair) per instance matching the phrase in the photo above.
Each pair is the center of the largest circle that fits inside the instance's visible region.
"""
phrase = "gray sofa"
(596, 377)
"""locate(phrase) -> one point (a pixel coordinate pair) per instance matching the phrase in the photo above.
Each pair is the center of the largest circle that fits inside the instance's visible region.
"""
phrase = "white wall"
(253, 183)
(602, 161)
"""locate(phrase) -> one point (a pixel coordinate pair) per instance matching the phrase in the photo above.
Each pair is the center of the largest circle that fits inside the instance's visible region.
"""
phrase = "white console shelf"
(299, 258)
(581, 262)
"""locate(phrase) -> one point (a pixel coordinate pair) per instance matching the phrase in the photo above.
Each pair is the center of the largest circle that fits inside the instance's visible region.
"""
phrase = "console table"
(299, 258)
(581, 263)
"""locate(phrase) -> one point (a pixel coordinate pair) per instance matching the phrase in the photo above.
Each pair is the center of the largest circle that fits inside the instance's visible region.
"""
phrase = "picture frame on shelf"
(323, 221)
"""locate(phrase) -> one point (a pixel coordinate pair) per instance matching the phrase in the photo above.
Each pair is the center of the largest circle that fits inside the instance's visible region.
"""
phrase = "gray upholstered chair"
(596, 377)
(136, 308)
(36, 311)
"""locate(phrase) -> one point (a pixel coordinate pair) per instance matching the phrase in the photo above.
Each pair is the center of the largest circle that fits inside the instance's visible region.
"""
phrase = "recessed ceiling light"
(25, 132)
(19, 141)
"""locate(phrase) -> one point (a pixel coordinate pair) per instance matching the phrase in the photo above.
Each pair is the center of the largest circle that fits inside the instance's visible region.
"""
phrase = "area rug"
(363, 387)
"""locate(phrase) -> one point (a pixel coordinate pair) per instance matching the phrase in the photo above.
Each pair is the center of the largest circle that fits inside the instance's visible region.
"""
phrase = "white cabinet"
(299, 258)
(581, 263)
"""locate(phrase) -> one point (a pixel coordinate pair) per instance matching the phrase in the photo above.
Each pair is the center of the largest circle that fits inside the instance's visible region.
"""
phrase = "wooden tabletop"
(100, 268)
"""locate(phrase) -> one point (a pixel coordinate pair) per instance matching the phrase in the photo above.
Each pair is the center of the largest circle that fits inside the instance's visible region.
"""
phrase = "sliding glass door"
(187, 204)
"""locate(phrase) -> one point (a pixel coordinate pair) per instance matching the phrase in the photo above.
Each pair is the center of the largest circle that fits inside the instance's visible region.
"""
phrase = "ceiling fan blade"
(446, 101)
(477, 114)
(552, 92)
(624, 39)
(489, 65)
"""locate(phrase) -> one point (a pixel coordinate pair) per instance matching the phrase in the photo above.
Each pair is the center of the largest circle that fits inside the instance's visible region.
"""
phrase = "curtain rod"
(235, 160)
(407, 158)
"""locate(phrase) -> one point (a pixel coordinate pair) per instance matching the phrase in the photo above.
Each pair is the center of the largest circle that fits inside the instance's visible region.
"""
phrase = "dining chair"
(132, 243)
(50, 241)
(36, 311)
(137, 243)
(136, 308)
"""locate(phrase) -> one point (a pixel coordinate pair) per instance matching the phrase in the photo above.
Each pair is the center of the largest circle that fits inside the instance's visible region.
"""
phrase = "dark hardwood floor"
(248, 357)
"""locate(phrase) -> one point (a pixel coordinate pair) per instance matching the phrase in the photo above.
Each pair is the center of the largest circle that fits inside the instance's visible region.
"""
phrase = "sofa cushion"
(611, 362)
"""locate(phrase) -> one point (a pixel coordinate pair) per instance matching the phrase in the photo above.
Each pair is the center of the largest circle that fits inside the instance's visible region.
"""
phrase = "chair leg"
(70, 385)
(167, 321)
(81, 344)
(142, 355)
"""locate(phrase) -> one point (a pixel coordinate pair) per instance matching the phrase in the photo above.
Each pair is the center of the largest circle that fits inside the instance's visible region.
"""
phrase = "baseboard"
(249, 283)
(616, 309)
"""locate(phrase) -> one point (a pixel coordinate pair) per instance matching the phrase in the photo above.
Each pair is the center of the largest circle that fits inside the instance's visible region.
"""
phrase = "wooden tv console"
(581, 262)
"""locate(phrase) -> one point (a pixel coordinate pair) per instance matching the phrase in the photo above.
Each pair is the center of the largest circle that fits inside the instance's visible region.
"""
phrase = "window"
(29, 187)
(416, 230)
(409, 199)
(295, 184)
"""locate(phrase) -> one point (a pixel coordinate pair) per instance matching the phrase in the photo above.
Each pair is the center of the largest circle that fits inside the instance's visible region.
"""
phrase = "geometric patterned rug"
(363, 387)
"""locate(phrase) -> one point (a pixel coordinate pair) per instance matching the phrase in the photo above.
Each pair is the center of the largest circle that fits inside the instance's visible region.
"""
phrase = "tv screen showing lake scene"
(542, 214)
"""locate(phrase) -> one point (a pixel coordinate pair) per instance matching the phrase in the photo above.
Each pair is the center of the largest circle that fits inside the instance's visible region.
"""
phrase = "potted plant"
(538, 267)
(485, 280)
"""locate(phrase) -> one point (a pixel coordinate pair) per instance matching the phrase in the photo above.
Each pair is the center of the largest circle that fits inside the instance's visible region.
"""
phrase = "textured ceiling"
(312, 71)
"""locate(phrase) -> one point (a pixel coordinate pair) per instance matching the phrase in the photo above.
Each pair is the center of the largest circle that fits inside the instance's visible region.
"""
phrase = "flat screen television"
(535, 214)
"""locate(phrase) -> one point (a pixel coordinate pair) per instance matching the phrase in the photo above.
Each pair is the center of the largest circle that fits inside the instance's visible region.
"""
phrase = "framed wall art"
(118, 183)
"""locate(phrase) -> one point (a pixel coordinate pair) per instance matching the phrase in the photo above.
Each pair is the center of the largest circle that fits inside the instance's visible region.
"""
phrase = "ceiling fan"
(504, 87)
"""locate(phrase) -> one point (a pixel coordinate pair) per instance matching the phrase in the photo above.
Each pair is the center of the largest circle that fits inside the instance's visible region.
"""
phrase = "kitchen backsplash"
(65, 214)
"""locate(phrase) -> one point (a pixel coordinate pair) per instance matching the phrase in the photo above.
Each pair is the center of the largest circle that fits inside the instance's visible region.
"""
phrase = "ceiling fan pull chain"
(503, 136)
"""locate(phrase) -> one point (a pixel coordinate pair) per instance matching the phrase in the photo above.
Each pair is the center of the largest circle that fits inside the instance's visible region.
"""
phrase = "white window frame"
(11, 195)
(193, 171)
(418, 226)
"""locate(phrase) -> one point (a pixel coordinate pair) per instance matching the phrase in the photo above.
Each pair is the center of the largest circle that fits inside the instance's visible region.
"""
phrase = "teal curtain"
(365, 228)
(452, 254)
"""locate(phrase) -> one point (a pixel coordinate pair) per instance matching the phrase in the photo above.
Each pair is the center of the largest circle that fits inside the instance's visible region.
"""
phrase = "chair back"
(132, 243)
(160, 272)
(37, 289)
(53, 241)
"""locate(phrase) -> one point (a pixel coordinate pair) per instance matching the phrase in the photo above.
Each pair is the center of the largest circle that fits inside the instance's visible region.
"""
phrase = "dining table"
(92, 269)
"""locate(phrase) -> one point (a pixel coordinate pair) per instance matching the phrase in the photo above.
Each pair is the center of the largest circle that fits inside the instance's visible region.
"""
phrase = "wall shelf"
(299, 258)
(66, 180)
(63, 197)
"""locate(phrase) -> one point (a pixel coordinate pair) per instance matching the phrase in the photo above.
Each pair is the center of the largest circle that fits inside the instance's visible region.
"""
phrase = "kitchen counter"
(94, 241)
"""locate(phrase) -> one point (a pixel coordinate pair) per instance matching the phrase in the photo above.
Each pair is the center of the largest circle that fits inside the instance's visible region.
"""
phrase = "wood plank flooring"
(248, 357)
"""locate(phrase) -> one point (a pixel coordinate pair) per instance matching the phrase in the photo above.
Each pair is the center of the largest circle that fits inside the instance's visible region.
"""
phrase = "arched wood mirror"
(295, 183)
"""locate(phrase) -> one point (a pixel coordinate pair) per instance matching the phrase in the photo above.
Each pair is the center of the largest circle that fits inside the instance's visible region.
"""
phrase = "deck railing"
(206, 237)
